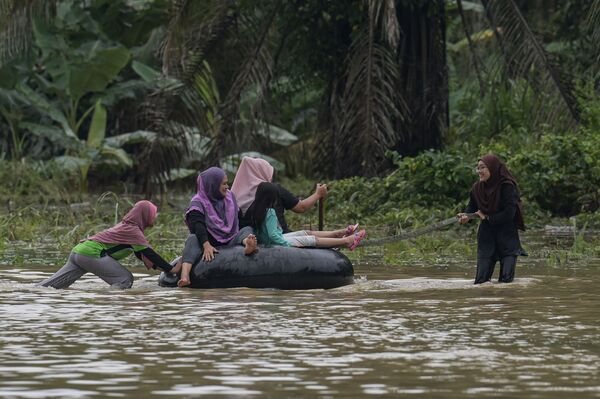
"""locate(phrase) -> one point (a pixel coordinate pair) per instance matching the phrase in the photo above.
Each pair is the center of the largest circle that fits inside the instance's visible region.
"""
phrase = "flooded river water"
(408, 330)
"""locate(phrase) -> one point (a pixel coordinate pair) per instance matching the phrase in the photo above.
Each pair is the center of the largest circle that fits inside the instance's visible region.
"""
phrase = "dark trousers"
(192, 251)
(485, 269)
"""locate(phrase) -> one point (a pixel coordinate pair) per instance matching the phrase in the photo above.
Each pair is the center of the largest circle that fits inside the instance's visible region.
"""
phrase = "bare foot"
(183, 282)
(250, 245)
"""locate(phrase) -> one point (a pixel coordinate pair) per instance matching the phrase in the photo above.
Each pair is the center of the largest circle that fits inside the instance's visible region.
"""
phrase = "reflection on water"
(423, 331)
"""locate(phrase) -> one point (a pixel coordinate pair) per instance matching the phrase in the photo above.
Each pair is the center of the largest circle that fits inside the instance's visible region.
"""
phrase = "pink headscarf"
(131, 228)
(250, 174)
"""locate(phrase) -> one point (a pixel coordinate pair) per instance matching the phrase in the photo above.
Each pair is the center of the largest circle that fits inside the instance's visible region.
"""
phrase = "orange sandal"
(357, 239)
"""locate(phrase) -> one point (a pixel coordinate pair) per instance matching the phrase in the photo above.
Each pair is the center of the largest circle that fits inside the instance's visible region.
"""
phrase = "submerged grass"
(49, 232)
(54, 227)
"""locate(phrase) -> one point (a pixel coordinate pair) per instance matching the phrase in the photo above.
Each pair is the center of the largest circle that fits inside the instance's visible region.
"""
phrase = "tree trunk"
(424, 76)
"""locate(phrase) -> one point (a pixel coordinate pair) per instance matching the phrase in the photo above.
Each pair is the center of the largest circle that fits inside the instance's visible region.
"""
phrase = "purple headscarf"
(221, 213)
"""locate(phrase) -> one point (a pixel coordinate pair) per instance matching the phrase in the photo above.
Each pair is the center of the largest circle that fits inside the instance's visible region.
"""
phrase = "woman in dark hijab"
(496, 200)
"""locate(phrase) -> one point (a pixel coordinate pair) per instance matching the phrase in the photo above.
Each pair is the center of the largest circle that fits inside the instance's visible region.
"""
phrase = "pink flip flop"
(357, 239)
(351, 229)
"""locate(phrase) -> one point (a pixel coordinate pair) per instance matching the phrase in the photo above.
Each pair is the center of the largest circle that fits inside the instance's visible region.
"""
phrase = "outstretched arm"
(155, 259)
(307, 203)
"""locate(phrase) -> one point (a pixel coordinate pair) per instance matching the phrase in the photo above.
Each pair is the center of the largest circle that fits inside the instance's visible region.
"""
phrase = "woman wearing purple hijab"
(496, 201)
(100, 253)
(212, 218)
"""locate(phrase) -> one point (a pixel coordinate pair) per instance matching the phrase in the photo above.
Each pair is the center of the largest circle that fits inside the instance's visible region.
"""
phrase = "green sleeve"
(138, 248)
(273, 230)
(89, 248)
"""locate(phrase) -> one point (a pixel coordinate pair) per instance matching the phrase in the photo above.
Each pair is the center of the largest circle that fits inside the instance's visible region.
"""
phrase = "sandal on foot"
(357, 239)
(351, 229)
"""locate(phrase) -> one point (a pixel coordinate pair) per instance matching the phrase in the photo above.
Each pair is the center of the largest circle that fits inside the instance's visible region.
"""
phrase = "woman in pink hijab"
(100, 253)
(250, 174)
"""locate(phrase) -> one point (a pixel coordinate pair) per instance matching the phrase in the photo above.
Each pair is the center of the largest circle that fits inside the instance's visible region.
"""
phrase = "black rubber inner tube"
(286, 268)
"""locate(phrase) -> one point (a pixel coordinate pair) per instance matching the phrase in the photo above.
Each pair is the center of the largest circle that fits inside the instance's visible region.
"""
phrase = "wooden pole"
(321, 213)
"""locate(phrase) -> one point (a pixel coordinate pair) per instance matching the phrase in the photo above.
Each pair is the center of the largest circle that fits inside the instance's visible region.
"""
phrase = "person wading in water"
(495, 198)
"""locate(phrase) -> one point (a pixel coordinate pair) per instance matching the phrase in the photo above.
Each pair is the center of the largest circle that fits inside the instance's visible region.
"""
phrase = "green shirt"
(270, 233)
(94, 249)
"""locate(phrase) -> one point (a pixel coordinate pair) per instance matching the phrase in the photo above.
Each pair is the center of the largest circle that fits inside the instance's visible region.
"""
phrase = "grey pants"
(193, 250)
(108, 269)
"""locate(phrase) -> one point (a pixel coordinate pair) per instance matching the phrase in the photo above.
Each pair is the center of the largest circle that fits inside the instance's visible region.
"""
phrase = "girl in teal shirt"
(264, 220)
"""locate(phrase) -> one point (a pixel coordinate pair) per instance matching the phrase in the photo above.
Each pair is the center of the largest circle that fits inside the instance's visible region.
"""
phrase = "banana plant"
(95, 149)
(64, 76)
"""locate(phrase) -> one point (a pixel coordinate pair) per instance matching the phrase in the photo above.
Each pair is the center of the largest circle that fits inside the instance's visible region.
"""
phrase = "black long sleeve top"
(197, 225)
(287, 201)
(498, 236)
(155, 258)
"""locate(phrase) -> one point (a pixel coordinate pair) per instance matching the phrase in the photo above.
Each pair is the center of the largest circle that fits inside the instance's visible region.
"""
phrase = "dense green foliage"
(129, 95)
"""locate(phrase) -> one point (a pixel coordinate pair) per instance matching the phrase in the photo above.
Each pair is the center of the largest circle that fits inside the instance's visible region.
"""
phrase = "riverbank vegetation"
(391, 103)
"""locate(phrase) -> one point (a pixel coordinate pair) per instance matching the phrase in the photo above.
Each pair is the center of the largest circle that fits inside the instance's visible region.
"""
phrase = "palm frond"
(525, 57)
(365, 105)
(323, 152)
(383, 13)
(477, 64)
(370, 102)
(255, 72)
(194, 28)
(16, 19)
(593, 26)
(165, 153)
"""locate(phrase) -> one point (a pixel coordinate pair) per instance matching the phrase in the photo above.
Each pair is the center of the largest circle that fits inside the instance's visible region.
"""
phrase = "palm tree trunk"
(423, 76)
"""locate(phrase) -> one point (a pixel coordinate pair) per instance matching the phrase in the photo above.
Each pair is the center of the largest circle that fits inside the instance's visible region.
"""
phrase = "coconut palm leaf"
(526, 57)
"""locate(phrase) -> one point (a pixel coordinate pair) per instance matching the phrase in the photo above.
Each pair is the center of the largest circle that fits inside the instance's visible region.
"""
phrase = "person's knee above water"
(495, 198)
(212, 219)
(252, 172)
(100, 253)
(264, 220)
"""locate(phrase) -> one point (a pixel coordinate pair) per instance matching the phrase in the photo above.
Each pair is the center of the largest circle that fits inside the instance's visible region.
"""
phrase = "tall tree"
(526, 57)
(394, 92)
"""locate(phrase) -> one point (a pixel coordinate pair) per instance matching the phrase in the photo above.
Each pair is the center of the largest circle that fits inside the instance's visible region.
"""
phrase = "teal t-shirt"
(270, 233)
(94, 249)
